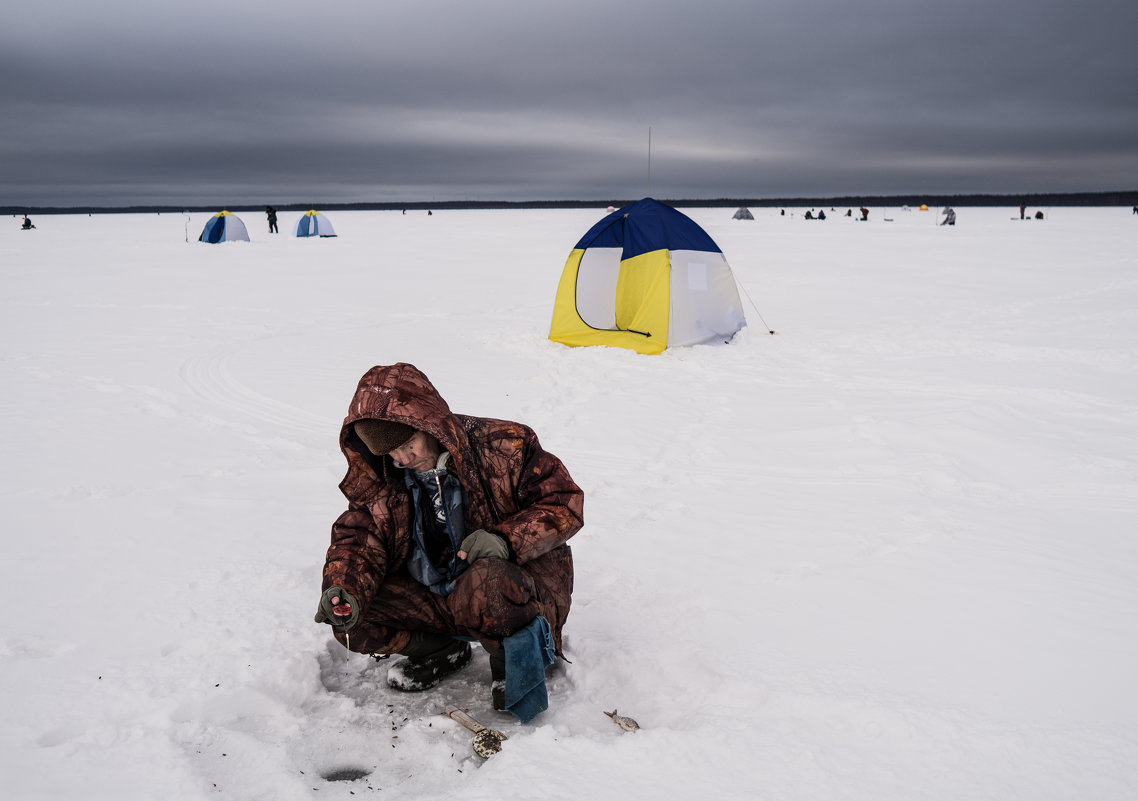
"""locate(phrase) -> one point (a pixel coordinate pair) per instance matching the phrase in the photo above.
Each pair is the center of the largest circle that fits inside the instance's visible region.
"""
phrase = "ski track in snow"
(211, 379)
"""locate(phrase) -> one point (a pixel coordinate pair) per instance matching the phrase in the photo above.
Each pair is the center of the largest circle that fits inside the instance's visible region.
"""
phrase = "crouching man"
(455, 532)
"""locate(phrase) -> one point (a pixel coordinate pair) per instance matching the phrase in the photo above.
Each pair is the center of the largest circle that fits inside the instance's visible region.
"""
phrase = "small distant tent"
(224, 227)
(646, 277)
(313, 223)
(743, 214)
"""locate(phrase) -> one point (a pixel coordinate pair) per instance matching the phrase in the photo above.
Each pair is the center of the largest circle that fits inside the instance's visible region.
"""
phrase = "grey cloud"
(510, 100)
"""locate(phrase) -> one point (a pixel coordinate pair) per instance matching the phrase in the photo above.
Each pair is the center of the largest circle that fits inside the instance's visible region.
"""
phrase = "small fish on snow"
(628, 724)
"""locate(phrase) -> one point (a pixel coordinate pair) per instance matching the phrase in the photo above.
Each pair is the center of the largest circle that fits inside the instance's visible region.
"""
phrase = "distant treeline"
(1129, 198)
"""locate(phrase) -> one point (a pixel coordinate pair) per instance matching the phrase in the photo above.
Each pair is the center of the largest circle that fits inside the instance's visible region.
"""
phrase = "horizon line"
(1097, 198)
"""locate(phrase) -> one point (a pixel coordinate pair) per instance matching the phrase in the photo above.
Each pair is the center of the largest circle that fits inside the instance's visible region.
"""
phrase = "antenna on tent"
(649, 161)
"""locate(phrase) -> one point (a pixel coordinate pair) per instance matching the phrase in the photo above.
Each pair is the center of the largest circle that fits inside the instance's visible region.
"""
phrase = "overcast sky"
(133, 102)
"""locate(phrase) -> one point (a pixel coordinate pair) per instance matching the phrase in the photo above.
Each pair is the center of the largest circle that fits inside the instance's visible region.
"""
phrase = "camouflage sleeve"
(550, 504)
(356, 559)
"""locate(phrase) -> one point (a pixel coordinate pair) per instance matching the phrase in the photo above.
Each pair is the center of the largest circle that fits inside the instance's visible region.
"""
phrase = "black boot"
(497, 677)
(430, 659)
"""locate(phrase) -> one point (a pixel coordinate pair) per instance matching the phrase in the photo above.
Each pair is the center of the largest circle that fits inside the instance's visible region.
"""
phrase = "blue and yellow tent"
(224, 227)
(646, 277)
(313, 223)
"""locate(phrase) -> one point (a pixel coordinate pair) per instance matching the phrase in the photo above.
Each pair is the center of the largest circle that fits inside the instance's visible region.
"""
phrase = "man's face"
(420, 453)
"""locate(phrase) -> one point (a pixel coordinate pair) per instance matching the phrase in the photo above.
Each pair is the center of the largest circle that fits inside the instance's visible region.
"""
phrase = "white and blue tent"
(313, 223)
(647, 278)
(224, 227)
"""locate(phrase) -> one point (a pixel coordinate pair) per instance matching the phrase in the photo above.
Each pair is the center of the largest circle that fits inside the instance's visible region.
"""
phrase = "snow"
(886, 554)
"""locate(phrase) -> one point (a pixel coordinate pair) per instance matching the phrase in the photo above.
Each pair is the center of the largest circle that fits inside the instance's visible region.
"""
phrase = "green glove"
(482, 544)
(343, 615)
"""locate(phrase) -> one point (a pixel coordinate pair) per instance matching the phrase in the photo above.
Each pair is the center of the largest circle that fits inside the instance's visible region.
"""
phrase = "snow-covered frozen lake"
(890, 553)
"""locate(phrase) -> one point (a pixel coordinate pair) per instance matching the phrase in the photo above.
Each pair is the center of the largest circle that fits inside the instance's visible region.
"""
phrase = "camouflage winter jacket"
(513, 488)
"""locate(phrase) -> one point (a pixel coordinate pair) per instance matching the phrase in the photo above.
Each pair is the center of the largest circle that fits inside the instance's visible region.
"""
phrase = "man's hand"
(482, 544)
(338, 607)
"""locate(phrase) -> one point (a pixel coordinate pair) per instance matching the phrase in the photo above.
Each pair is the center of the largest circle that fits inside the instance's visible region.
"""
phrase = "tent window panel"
(596, 287)
(697, 276)
(705, 301)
